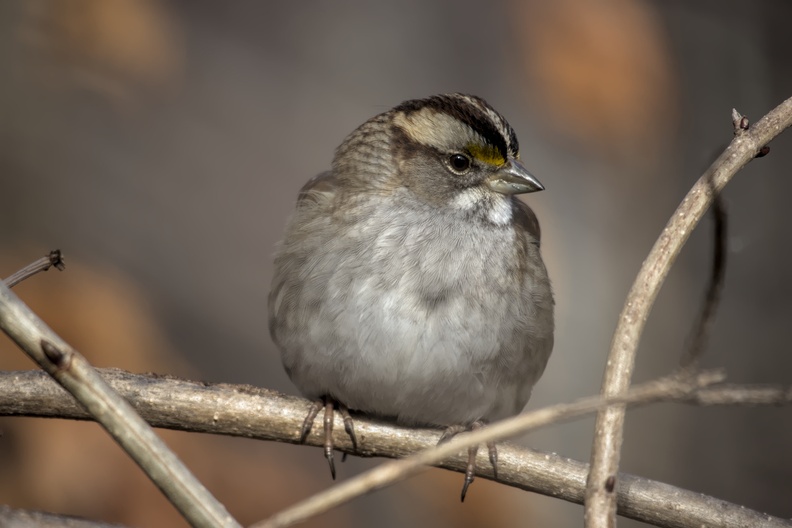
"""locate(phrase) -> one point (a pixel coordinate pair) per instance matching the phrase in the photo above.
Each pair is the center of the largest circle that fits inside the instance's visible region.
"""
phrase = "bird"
(409, 284)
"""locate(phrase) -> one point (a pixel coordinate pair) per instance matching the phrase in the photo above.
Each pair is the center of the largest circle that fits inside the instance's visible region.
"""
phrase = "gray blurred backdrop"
(162, 143)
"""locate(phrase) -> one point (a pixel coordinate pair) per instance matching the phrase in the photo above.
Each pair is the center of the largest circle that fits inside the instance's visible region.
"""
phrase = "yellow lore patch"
(485, 153)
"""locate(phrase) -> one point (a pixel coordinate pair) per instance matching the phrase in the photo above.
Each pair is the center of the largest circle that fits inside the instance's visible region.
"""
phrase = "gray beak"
(514, 178)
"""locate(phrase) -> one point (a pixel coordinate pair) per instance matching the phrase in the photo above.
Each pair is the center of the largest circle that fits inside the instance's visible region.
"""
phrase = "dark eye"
(459, 162)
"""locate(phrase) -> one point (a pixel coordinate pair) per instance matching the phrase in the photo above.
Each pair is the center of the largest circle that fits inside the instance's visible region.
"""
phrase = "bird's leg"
(349, 427)
(450, 432)
(309, 420)
(492, 449)
(329, 404)
(470, 470)
(328, 430)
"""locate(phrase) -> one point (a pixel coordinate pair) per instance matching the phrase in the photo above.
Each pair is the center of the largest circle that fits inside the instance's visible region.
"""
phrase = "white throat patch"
(495, 207)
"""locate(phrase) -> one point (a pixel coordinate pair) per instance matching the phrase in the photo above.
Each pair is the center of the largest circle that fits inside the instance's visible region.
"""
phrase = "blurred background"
(160, 145)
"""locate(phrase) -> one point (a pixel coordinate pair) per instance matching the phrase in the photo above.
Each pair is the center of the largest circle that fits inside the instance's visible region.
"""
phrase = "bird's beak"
(514, 178)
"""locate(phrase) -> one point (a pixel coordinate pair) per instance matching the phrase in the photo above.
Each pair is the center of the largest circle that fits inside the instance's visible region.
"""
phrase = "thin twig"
(107, 407)
(600, 508)
(12, 518)
(54, 258)
(259, 413)
(701, 330)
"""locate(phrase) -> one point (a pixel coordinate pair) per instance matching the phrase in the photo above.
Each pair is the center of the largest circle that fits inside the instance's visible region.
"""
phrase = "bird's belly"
(415, 322)
(421, 360)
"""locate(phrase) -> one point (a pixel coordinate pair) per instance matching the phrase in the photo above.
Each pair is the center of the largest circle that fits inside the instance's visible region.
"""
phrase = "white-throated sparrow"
(410, 283)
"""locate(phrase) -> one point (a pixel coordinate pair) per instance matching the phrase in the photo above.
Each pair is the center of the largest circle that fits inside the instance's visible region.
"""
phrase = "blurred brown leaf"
(111, 47)
(602, 71)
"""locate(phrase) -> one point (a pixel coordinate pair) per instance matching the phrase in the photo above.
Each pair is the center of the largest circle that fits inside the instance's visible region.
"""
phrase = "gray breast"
(406, 314)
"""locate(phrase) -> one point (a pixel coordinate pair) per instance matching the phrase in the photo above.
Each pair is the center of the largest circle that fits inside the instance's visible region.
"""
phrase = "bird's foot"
(329, 404)
(470, 470)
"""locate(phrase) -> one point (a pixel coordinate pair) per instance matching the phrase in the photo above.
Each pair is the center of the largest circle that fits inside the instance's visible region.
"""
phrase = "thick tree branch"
(746, 145)
(259, 413)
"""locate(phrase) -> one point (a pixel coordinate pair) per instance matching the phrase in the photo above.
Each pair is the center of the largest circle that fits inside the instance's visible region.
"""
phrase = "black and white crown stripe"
(470, 110)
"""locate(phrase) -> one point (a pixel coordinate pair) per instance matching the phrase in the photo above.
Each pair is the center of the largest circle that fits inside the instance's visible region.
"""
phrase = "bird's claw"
(470, 469)
(329, 405)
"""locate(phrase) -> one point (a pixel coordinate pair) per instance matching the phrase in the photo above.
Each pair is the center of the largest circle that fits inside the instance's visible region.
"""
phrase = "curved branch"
(747, 144)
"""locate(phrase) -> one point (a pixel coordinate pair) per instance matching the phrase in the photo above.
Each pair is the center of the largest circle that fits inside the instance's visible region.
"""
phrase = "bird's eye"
(459, 163)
